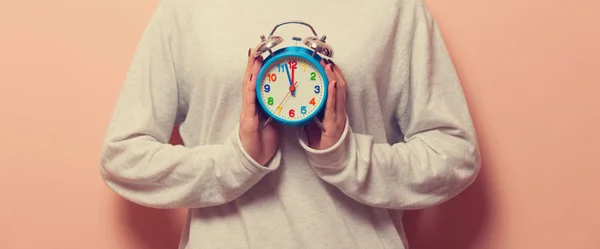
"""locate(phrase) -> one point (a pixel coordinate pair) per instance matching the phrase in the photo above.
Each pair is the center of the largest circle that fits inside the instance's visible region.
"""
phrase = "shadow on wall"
(460, 222)
(457, 223)
(153, 228)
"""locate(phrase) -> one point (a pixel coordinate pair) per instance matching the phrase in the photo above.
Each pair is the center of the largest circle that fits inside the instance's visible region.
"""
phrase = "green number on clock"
(270, 101)
(313, 76)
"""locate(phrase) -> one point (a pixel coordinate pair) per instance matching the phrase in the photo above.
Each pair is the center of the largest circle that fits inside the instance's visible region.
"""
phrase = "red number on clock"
(293, 64)
(292, 113)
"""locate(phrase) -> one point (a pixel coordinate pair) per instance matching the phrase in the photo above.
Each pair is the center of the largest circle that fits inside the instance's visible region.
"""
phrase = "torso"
(291, 207)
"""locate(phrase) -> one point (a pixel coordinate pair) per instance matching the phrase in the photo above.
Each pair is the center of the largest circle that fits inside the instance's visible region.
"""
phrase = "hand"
(260, 145)
(334, 119)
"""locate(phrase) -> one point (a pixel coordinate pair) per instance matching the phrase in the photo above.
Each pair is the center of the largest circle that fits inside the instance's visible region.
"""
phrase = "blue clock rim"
(303, 53)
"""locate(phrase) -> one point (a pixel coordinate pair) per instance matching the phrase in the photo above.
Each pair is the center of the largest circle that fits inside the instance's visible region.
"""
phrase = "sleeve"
(439, 155)
(137, 161)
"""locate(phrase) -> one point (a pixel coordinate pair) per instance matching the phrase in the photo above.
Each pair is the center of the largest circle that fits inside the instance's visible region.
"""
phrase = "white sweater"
(409, 142)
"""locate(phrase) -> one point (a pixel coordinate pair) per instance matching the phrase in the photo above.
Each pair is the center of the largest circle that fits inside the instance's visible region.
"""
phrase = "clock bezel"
(303, 53)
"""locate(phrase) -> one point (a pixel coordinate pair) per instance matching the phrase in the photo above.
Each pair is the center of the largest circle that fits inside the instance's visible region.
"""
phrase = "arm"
(138, 163)
(439, 156)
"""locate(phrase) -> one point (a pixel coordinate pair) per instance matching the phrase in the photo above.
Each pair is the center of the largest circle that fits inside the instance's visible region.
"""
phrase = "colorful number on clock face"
(292, 88)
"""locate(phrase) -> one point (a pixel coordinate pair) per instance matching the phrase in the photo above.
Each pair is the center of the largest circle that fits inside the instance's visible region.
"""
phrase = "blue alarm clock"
(291, 87)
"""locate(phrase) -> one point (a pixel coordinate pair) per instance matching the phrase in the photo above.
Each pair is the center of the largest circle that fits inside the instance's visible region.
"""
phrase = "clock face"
(292, 89)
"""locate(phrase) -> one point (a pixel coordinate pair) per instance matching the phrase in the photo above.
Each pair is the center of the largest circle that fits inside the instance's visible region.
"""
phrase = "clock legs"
(266, 123)
(319, 124)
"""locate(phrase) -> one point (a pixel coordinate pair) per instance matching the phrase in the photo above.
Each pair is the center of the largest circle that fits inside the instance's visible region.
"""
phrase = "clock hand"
(280, 107)
(292, 72)
(290, 80)
(266, 123)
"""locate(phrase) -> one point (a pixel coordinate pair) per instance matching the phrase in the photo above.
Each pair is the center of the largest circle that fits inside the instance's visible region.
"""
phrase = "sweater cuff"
(249, 163)
(332, 157)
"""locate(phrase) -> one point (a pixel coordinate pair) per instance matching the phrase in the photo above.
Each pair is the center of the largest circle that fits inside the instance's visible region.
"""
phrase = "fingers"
(341, 87)
(336, 69)
(245, 78)
(323, 62)
(341, 95)
(332, 101)
(249, 65)
(329, 71)
(249, 86)
(258, 61)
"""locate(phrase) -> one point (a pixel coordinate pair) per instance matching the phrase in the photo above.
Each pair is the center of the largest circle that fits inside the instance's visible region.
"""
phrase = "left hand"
(334, 119)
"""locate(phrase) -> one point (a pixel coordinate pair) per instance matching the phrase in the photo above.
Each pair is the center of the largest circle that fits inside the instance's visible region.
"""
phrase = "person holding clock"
(262, 164)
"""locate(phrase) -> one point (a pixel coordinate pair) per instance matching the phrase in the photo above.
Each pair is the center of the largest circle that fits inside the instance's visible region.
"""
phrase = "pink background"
(530, 70)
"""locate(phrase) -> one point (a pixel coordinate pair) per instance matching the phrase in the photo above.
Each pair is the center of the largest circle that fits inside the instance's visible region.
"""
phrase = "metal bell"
(319, 45)
(267, 44)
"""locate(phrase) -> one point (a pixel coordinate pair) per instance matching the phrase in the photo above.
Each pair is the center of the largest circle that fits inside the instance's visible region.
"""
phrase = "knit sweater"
(408, 143)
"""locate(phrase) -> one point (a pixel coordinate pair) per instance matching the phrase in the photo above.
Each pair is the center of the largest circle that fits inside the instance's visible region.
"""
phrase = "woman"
(398, 133)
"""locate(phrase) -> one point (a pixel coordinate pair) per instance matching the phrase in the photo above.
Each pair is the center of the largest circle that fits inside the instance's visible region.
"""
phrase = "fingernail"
(332, 62)
(249, 50)
(335, 84)
(328, 61)
(251, 76)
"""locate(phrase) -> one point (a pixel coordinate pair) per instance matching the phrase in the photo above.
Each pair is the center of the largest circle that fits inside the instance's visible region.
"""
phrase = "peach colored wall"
(530, 70)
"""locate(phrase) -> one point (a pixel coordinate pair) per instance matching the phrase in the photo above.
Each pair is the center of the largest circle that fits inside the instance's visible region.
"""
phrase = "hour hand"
(292, 88)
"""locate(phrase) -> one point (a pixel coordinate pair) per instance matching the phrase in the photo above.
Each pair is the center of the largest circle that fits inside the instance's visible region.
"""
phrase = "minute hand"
(292, 88)
(280, 106)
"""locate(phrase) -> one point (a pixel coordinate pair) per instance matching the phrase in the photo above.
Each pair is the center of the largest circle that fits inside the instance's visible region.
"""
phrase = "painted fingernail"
(335, 84)
(249, 50)
(332, 63)
(251, 76)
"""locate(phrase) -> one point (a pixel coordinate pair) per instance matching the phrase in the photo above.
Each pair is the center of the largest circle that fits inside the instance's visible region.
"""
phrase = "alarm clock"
(291, 86)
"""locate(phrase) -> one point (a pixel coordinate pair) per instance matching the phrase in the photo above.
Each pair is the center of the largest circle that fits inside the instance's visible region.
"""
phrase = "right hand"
(260, 145)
